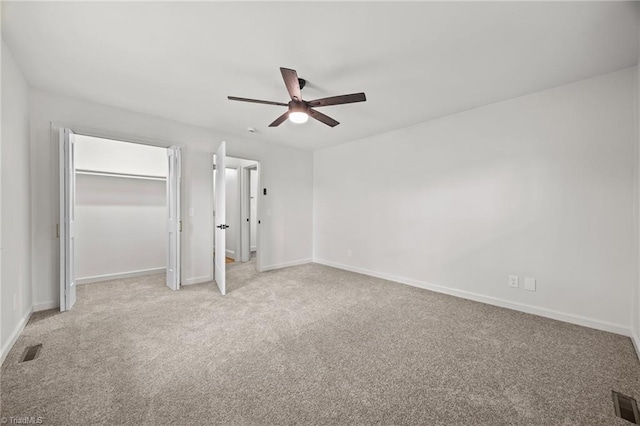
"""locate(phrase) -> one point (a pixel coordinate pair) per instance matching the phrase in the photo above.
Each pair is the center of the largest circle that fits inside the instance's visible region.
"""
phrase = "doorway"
(236, 239)
(119, 212)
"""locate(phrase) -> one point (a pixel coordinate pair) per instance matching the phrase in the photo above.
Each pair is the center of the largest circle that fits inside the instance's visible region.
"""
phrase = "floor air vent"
(31, 353)
(626, 407)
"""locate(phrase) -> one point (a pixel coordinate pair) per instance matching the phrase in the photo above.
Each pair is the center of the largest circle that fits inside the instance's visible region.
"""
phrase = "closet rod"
(120, 175)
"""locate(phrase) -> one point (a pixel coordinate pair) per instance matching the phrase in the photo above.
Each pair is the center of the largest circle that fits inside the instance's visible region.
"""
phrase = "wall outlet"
(513, 281)
(529, 283)
(349, 253)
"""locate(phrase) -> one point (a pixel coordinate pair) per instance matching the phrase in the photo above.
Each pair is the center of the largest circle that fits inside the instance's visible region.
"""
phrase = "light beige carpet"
(309, 345)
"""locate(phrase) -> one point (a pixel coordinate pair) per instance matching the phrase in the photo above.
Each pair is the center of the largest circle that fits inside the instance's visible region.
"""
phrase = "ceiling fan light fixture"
(298, 117)
(298, 112)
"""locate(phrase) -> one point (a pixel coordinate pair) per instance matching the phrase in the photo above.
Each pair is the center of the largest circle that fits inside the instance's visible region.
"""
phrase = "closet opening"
(120, 212)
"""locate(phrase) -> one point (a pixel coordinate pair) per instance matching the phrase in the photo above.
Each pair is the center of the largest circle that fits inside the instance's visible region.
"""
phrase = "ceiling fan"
(300, 110)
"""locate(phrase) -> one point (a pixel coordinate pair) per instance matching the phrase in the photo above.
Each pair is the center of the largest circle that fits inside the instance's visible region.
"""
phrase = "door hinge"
(57, 230)
(180, 226)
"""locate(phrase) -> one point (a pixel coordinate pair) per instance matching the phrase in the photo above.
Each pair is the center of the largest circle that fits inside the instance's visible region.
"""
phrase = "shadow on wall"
(106, 190)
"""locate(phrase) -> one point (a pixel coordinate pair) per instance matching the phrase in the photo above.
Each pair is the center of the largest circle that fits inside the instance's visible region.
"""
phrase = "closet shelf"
(119, 175)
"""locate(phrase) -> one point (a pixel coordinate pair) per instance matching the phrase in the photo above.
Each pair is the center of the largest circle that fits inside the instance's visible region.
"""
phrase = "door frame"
(245, 240)
(259, 227)
(237, 254)
(54, 136)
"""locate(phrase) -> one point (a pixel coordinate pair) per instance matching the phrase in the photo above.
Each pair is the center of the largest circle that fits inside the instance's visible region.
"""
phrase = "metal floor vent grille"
(626, 407)
(31, 353)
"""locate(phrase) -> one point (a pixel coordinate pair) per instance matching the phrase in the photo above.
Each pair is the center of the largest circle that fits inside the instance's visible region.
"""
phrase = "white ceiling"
(415, 61)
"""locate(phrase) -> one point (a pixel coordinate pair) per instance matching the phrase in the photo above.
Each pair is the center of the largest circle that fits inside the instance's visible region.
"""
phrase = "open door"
(219, 163)
(66, 228)
(174, 223)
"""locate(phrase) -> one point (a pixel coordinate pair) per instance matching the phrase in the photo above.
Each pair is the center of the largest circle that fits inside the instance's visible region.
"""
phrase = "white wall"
(16, 290)
(539, 186)
(120, 227)
(286, 233)
(232, 202)
(120, 221)
(106, 155)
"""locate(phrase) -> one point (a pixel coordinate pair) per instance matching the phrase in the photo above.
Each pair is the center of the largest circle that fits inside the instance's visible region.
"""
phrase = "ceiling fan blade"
(323, 118)
(338, 100)
(278, 121)
(255, 101)
(291, 81)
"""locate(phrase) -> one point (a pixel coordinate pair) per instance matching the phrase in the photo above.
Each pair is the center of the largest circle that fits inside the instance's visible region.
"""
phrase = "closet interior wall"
(120, 209)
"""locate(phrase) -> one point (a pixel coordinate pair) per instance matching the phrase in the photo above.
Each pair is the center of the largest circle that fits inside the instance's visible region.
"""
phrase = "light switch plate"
(529, 283)
(513, 281)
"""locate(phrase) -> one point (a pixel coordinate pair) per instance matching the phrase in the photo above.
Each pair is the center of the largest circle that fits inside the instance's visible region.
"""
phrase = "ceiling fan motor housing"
(298, 106)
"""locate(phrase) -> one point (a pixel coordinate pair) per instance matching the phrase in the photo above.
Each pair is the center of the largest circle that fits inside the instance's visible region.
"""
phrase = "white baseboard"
(254, 248)
(230, 253)
(6, 348)
(130, 274)
(198, 280)
(636, 343)
(45, 306)
(286, 264)
(529, 309)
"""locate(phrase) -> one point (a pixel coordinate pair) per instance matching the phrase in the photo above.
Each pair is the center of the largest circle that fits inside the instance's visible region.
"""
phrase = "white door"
(219, 162)
(66, 228)
(174, 224)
